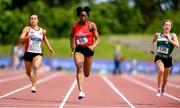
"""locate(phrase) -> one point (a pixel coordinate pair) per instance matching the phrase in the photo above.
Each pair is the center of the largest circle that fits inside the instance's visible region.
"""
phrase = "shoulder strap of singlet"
(170, 35)
(159, 34)
(89, 26)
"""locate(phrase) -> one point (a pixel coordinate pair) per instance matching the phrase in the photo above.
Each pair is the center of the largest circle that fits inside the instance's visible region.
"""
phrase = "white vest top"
(34, 42)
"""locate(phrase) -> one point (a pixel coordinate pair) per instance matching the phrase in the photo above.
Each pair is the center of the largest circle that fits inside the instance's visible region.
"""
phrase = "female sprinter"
(166, 42)
(83, 39)
(33, 35)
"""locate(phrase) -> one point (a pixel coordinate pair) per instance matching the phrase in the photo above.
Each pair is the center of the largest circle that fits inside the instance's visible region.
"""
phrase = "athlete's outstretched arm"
(174, 40)
(47, 42)
(72, 41)
(96, 36)
(24, 33)
(152, 50)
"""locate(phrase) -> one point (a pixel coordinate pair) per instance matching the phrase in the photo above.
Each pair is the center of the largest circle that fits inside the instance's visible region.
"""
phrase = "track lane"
(49, 94)
(153, 82)
(7, 73)
(140, 96)
(98, 95)
(11, 84)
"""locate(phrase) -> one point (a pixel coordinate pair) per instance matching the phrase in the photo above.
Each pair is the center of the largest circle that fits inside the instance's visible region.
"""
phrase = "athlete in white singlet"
(33, 36)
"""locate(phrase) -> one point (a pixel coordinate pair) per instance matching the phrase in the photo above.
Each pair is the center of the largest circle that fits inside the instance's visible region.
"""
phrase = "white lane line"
(148, 86)
(29, 85)
(117, 91)
(12, 78)
(68, 94)
(168, 83)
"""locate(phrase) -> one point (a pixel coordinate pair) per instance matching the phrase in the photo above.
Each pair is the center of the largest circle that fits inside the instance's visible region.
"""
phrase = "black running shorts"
(84, 50)
(28, 56)
(166, 61)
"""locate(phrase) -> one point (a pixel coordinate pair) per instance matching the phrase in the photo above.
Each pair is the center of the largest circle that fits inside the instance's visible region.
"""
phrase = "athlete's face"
(167, 26)
(33, 20)
(83, 16)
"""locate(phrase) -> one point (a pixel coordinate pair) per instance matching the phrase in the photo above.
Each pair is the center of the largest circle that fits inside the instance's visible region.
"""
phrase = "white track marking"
(148, 86)
(12, 78)
(68, 94)
(29, 85)
(117, 91)
(168, 83)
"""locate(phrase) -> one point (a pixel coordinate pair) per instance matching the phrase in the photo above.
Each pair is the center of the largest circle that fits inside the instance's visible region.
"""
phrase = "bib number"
(163, 49)
(82, 40)
(35, 42)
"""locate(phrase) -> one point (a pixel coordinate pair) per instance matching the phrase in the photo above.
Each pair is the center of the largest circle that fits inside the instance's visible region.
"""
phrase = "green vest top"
(164, 47)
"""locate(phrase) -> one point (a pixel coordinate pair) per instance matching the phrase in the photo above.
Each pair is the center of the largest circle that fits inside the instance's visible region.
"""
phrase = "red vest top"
(83, 35)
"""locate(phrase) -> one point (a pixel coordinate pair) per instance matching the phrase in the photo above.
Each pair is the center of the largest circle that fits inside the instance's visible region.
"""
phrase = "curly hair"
(80, 9)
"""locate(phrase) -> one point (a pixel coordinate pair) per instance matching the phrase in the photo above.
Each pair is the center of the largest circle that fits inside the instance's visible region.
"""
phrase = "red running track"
(59, 90)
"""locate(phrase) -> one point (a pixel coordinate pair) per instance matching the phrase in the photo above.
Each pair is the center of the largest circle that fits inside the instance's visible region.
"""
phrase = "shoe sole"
(80, 97)
(33, 91)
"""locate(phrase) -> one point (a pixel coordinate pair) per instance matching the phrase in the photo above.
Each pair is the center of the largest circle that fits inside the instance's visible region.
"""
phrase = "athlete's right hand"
(72, 51)
(92, 47)
(27, 37)
(72, 48)
(152, 51)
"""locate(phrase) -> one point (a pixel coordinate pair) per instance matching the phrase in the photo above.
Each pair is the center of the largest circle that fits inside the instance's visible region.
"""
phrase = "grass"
(5, 50)
(105, 50)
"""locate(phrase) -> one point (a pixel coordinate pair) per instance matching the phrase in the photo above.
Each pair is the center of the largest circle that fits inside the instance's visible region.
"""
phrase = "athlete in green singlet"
(166, 42)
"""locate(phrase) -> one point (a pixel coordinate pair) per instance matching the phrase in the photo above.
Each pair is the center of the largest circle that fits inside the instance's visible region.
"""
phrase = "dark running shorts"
(28, 56)
(84, 50)
(166, 61)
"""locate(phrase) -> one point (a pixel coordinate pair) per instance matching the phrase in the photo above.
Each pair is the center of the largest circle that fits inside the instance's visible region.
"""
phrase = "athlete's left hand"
(91, 47)
(152, 51)
(168, 37)
(52, 51)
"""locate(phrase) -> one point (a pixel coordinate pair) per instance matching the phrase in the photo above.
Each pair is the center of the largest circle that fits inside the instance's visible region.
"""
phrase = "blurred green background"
(119, 19)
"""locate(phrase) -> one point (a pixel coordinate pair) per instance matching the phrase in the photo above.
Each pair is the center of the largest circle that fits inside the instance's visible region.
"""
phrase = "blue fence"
(98, 65)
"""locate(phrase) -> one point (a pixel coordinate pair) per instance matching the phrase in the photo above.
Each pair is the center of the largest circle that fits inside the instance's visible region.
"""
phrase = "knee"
(161, 71)
(86, 74)
(36, 66)
(165, 80)
(79, 68)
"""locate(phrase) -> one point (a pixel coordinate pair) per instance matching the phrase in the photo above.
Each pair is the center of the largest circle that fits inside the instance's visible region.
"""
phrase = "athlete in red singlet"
(83, 40)
(33, 36)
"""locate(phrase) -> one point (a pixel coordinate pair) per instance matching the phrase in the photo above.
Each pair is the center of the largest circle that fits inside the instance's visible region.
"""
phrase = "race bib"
(81, 40)
(162, 49)
(35, 41)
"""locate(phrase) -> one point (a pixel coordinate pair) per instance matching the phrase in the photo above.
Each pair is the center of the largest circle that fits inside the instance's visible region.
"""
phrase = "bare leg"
(165, 76)
(160, 66)
(79, 61)
(87, 66)
(36, 64)
(28, 66)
